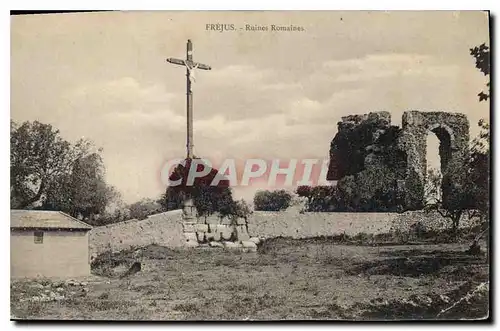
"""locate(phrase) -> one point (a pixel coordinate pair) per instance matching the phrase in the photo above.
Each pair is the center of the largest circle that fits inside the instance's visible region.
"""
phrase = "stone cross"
(190, 67)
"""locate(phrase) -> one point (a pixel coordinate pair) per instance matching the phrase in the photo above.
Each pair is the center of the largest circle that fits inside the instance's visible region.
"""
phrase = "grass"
(187, 307)
(317, 278)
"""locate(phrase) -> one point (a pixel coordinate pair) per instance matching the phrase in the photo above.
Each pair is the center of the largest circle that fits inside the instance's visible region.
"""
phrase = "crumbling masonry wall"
(369, 140)
(452, 130)
(363, 141)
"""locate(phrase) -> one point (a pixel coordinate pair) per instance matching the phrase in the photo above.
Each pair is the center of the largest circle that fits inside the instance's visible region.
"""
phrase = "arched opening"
(438, 154)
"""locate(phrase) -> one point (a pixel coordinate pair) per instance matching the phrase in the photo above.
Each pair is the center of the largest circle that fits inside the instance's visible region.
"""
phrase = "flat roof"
(44, 219)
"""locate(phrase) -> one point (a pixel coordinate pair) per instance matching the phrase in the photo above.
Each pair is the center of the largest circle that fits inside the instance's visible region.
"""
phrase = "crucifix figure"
(191, 66)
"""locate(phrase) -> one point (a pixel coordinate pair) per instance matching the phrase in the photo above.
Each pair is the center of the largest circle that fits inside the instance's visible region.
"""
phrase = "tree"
(467, 192)
(39, 156)
(319, 198)
(207, 198)
(143, 208)
(116, 211)
(171, 199)
(211, 199)
(457, 201)
(479, 170)
(306, 192)
(272, 200)
(49, 173)
(83, 192)
(473, 193)
(433, 186)
(480, 148)
(241, 209)
(481, 54)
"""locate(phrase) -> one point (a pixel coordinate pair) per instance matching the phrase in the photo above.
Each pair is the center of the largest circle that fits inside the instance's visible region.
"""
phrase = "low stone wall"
(309, 224)
(168, 229)
(163, 229)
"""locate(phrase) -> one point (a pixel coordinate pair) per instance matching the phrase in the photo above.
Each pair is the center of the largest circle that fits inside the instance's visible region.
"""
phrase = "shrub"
(272, 200)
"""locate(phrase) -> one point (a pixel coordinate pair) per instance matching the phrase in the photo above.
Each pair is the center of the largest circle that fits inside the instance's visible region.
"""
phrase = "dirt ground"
(284, 279)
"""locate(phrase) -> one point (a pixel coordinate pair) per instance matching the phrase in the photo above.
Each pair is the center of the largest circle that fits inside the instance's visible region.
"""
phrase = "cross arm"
(182, 63)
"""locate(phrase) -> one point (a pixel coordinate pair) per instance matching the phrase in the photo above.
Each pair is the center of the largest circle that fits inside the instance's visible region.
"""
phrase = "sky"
(270, 95)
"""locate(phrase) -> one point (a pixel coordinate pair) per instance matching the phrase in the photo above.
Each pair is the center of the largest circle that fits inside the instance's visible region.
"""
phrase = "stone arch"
(452, 130)
(446, 143)
(446, 128)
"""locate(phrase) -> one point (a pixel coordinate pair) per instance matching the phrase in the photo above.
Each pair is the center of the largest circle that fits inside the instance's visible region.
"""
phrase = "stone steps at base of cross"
(192, 239)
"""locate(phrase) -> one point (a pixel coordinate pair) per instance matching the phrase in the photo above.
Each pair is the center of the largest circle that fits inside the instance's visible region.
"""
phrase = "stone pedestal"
(189, 222)
(189, 211)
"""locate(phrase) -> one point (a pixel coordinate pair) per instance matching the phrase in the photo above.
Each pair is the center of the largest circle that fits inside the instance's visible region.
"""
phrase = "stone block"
(216, 244)
(189, 227)
(256, 240)
(191, 237)
(242, 233)
(216, 236)
(189, 218)
(209, 235)
(201, 228)
(252, 247)
(201, 220)
(241, 221)
(213, 220)
(200, 236)
(226, 221)
(230, 244)
(192, 244)
(248, 244)
(222, 227)
(227, 233)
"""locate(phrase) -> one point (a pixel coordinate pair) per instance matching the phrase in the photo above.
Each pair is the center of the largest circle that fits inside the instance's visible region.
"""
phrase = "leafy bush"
(207, 198)
(272, 200)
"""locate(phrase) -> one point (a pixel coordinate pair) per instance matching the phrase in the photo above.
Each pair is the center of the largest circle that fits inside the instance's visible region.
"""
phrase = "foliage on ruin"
(357, 139)
(367, 162)
(373, 189)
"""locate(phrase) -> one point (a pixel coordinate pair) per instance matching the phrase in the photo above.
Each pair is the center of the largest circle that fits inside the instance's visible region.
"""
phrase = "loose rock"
(248, 243)
(230, 244)
(256, 240)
